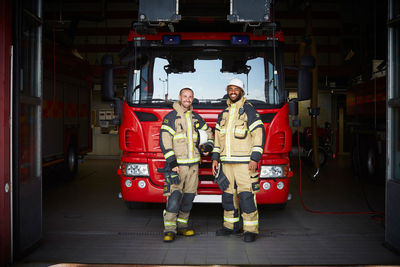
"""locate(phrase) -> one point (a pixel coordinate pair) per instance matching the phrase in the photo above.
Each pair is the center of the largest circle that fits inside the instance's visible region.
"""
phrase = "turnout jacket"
(179, 136)
(239, 134)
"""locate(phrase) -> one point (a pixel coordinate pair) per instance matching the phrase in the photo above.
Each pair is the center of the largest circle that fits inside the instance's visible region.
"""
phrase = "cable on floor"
(376, 213)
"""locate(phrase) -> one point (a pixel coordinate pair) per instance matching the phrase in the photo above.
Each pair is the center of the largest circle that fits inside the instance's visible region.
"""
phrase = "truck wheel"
(368, 159)
(371, 162)
(321, 156)
(71, 161)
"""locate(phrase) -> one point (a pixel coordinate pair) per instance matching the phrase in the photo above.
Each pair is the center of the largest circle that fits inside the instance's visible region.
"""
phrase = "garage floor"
(85, 222)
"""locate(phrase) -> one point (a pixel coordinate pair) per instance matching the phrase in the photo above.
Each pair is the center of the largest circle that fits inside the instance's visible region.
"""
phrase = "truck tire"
(371, 161)
(71, 161)
(322, 156)
(368, 158)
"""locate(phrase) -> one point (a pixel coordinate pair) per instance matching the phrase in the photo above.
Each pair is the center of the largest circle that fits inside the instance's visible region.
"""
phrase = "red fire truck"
(366, 100)
(66, 131)
(167, 52)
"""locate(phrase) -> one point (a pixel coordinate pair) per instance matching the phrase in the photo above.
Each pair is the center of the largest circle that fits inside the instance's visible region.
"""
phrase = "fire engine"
(66, 130)
(168, 51)
(366, 100)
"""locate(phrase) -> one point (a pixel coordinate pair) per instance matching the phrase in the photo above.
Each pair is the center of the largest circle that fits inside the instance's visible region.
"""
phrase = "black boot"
(226, 231)
(249, 237)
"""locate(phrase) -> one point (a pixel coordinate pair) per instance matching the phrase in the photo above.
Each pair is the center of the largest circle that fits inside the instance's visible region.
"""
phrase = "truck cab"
(165, 58)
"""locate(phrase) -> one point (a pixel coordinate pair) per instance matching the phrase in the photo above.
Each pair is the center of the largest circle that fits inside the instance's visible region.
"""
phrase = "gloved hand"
(207, 147)
(221, 180)
(172, 178)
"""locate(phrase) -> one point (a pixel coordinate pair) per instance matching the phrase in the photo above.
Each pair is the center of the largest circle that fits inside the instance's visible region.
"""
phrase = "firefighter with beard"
(239, 144)
(179, 138)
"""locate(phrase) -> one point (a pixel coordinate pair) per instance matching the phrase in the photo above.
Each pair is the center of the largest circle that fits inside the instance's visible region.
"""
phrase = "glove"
(207, 147)
(221, 180)
(172, 178)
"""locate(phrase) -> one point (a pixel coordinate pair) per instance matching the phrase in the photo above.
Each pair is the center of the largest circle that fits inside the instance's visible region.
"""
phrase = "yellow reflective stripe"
(169, 223)
(189, 132)
(205, 127)
(229, 129)
(257, 149)
(238, 159)
(222, 131)
(169, 154)
(182, 220)
(231, 220)
(250, 222)
(179, 136)
(240, 130)
(187, 161)
(217, 127)
(255, 124)
(210, 141)
(216, 149)
(167, 128)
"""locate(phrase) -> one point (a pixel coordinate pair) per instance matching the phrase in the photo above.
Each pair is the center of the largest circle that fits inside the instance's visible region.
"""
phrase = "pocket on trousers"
(167, 189)
(255, 183)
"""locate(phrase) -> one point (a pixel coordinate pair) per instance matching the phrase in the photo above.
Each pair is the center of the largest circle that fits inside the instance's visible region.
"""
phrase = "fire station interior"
(336, 212)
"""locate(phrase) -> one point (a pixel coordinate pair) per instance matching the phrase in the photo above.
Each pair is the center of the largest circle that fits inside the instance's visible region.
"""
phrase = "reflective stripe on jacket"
(239, 134)
(179, 136)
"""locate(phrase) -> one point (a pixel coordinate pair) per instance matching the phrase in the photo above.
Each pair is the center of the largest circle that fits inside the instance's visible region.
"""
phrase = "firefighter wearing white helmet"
(179, 143)
(239, 144)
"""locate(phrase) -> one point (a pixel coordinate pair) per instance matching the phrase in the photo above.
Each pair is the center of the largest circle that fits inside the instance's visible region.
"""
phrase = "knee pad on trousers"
(227, 201)
(173, 202)
(187, 202)
(247, 203)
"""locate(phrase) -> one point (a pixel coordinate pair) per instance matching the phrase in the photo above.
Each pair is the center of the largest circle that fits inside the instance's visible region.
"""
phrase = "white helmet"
(236, 82)
(203, 137)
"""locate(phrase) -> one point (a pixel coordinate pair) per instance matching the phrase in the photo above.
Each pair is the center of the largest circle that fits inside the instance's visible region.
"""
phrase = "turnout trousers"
(240, 196)
(180, 198)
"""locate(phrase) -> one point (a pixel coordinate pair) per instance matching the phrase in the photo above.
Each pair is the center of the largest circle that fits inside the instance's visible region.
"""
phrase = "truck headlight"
(134, 169)
(273, 171)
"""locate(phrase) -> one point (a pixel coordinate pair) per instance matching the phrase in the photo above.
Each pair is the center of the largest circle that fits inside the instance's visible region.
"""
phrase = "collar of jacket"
(179, 108)
(239, 103)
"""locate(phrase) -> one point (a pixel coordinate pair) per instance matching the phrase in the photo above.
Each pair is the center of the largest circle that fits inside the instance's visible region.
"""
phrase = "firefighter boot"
(186, 232)
(249, 237)
(226, 231)
(169, 237)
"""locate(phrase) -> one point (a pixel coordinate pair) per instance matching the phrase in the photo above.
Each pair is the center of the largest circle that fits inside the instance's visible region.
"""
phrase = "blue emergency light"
(240, 39)
(171, 39)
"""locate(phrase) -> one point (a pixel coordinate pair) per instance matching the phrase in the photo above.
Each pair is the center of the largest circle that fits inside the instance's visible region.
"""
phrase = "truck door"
(27, 98)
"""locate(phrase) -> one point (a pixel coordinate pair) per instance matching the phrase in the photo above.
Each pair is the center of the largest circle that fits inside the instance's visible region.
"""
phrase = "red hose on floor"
(325, 212)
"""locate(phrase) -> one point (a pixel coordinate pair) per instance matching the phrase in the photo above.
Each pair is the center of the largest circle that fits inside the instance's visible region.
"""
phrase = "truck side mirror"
(107, 88)
(304, 90)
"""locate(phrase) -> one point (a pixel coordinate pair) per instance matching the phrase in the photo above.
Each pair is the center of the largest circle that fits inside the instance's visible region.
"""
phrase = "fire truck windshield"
(208, 78)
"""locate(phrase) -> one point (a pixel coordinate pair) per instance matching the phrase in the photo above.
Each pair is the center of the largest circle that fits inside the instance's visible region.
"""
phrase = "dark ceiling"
(349, 34)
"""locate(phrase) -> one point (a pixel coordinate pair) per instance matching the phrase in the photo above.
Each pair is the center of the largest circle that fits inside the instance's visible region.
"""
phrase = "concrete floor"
(85, 222)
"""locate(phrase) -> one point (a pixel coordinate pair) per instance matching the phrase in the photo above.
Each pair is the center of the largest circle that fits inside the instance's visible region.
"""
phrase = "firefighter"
(179, 142)
(239, 144)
